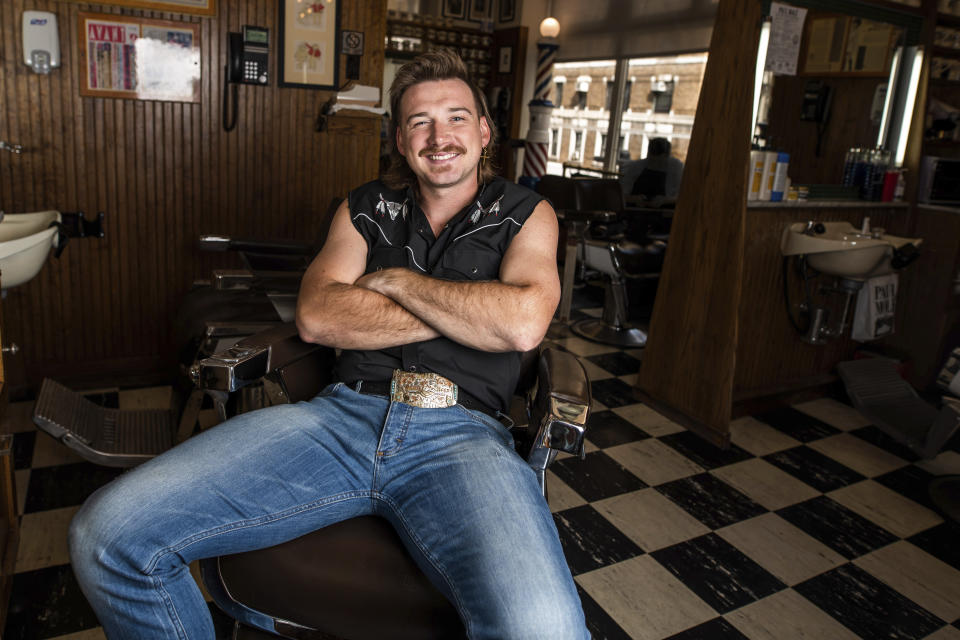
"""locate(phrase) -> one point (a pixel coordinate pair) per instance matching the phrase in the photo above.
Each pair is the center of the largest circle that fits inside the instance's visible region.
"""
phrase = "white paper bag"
(876, 308)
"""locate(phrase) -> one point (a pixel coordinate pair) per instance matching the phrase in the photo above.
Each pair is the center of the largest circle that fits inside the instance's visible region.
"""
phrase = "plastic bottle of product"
(849, 163)
(766, 179)
(901, 186)
(860, 163)
(755, 174)
(780, 177)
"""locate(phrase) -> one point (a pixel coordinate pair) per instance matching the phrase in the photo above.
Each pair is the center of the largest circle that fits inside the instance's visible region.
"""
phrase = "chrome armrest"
(217, 242)
(245, 279)
(559, 409)
(301, 369)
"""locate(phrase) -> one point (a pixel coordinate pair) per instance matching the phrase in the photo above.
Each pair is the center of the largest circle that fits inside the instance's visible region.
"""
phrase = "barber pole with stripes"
(538, 136)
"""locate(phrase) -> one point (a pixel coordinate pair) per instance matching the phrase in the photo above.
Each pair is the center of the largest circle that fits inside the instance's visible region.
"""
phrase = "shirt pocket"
(386, 257)
(470, 264)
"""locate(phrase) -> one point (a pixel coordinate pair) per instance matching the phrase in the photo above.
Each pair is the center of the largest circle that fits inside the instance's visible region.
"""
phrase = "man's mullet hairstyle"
(434, 65)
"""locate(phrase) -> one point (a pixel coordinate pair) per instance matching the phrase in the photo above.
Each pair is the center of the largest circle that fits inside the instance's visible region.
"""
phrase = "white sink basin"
(25, 241)
(842, 250)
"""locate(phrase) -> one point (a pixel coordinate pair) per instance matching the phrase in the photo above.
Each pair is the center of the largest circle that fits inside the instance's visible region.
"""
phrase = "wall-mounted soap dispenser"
(41, 45)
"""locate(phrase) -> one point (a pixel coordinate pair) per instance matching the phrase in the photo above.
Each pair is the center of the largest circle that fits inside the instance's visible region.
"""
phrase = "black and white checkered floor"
(813, 524)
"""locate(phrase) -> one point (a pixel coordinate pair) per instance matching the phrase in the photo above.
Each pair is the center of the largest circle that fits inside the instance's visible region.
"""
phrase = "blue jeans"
(467, 506)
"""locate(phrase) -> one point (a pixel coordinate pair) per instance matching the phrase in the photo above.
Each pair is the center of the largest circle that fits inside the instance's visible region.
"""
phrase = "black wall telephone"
(816, 101)
(247, 63)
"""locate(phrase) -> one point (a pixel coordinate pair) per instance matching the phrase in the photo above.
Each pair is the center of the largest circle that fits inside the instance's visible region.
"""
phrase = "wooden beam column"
(690, 359)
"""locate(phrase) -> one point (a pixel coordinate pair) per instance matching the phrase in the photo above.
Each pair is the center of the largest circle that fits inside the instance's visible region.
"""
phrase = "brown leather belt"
(424, 390)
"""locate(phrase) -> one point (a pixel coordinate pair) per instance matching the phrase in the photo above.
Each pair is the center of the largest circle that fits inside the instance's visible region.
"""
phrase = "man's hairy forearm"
(351, 317)
(488, 315)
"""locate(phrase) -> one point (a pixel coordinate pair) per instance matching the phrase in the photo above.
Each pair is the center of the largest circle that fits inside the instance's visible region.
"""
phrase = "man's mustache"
(450, 148)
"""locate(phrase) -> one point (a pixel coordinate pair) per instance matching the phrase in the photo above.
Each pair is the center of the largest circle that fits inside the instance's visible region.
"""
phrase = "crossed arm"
(340, 307)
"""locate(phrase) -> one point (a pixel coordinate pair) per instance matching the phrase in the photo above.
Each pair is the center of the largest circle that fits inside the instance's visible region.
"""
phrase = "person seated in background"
(432, 282)
(655, 178)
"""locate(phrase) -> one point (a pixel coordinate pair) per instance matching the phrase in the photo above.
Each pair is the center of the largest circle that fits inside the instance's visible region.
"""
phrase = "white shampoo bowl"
(25, 241)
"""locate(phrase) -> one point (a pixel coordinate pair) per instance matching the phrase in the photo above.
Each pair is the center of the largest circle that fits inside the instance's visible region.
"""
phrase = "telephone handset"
(247, 61)
(816, 102)
(247, 56)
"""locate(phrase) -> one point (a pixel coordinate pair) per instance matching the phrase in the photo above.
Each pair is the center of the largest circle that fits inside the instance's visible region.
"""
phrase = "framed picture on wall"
(456, 9)
(480, 10)
(309, 45)
(507, 10)
(199, 7)
(140, 58)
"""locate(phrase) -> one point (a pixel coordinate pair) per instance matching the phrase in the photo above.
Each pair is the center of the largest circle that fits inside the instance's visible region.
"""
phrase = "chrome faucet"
(814, 228)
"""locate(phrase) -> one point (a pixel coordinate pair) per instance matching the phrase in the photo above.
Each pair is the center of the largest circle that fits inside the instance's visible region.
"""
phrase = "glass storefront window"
(660, 101)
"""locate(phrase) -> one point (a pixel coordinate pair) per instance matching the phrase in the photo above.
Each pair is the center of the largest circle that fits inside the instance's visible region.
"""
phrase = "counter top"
(939, 207)
(826, 204)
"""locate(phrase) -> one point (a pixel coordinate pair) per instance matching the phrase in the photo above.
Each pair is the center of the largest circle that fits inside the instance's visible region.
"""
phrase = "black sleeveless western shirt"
(470, 247)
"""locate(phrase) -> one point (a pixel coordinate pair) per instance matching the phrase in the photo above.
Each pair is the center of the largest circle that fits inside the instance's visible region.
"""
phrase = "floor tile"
(814, 468)
(647, 419)
(932, 584)
(645, 599)
(857, 454)
(17, 417)
(941, 543)
(796, 424)
(146, 398)
(787, 615)
(706, 454)
(581, 347)
(618, 363)
(607, 429)
(945, 464)
(759, 438)
(43, 539)
(710, 500)
(781, 548)
(613, 392)
(597, 476)
(66, 485)
(835, 413)
(868, 607)
(650, 519)
(23, 446)
(47, 603)
(559, 495)
(887, 508)
(50, 452)
(878, 438)
(834, 525)
(599, 623)
(719, 573)
(594, 372)
(946, 633)
(654, 462)
(589, 540)
(711, 630)
(765, 484)
(911, 482)
(22, 481)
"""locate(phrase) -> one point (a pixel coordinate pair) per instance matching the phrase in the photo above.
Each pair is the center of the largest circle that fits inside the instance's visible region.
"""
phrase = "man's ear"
(400, 143)
(484, 131)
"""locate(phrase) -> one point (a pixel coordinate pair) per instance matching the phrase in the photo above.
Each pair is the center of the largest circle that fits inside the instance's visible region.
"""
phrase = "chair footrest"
(887, 400)
(111, 437)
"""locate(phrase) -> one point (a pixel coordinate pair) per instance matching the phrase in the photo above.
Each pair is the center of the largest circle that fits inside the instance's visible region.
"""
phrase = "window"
(579, 100)
(610, 87)
(558, 89)
(554, 151)
(661, 93)
(576, 146)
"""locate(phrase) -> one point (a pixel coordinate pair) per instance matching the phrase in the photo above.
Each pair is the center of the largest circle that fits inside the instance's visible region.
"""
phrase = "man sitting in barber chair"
(432, 283)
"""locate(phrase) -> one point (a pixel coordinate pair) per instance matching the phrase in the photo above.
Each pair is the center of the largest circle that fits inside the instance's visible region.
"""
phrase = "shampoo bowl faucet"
(12, 148)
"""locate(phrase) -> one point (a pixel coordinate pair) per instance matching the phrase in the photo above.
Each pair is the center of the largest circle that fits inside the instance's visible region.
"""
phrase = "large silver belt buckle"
(424, 390)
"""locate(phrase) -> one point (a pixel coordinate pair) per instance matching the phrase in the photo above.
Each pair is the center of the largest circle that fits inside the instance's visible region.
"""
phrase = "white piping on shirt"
(488, 225)
(376, 224)
(413, 257)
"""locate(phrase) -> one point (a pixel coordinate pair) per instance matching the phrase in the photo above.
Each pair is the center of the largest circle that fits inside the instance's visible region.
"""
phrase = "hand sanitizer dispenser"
(41, 47)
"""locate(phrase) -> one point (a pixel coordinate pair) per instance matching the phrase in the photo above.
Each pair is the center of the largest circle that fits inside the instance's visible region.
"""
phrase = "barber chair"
(623, 251)
(354, 580)
(575, 220)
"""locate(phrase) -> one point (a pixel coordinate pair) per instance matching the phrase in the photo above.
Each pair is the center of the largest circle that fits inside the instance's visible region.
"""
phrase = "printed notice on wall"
(125, 57)
(786, 33)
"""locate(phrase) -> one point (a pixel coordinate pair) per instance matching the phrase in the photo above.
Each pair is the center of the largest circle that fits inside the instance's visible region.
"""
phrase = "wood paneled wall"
(163, 173)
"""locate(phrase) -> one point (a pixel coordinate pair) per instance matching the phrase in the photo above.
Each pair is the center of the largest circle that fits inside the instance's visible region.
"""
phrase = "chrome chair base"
(599, 330)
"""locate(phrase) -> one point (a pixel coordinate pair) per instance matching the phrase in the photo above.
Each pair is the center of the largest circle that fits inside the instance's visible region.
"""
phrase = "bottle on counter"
(766, 178)
(780, 177)
(755, 174)
(849, 166)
